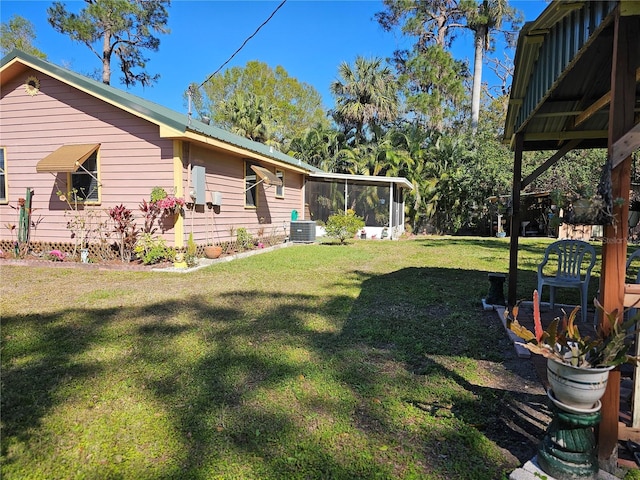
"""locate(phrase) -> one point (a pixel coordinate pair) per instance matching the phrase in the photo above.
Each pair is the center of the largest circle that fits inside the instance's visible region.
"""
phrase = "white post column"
(391, 226)
(346, 196)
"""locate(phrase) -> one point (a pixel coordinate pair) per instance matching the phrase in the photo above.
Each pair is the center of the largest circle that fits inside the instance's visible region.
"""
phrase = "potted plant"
(164, 207)
(577, 365)
(212, 251)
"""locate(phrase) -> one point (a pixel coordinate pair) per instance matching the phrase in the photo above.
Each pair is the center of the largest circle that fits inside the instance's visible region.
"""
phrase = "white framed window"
(280, 188)
(250, 187)
(84, 183)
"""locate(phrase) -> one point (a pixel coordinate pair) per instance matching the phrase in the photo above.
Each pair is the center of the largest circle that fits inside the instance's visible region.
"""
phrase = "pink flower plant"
(56, 255)
(171, 204)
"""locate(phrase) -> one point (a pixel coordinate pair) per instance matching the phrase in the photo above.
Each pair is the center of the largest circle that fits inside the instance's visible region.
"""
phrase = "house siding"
(132, 158)
(225, 174)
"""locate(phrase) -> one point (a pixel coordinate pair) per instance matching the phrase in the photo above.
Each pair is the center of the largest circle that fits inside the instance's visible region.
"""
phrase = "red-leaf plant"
(563, 342)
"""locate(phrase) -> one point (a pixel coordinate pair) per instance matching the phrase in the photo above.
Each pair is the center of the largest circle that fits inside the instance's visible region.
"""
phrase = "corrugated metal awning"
(66, 159)
(269, 178)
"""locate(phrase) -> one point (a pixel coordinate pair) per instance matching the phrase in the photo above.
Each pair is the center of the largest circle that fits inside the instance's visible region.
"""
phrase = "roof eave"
(400, 181)
(171, 124)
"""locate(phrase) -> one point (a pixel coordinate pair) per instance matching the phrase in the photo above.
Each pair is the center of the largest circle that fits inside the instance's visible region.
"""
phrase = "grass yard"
(370, 360)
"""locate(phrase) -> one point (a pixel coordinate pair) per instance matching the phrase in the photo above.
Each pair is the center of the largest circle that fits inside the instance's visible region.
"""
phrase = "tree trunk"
(106, 58)
(477, 77)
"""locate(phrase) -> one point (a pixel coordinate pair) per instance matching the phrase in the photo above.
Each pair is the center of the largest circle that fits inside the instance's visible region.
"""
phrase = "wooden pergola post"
(515, 221)
(625, 60)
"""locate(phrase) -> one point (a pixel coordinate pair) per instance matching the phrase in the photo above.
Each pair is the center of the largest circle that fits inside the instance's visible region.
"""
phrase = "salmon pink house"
(70, 144)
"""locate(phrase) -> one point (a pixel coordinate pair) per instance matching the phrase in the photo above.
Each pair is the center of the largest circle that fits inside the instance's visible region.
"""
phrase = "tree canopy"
(286, 106)
(366, 96)
(415, 115)
(124, 28)
(19, 33)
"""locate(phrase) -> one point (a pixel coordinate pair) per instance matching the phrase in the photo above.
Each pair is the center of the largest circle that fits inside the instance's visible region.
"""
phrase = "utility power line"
(244, 43)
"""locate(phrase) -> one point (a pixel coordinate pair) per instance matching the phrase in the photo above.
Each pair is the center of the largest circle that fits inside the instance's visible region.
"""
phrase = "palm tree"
(249, 116)
(366, 95)
(318, 147)
(484, 18)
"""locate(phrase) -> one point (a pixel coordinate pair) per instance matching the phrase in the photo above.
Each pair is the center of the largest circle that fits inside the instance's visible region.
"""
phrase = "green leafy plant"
(157, 194)
(190, 257)
(563, 342)
(244, 239)
(152, 249)
(343, 225)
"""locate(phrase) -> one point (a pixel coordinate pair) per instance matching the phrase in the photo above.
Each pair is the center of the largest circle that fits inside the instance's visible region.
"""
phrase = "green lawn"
(311, 362)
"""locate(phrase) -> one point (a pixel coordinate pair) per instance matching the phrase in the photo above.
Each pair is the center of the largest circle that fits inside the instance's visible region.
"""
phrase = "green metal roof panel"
(549, 50)
(153, 111)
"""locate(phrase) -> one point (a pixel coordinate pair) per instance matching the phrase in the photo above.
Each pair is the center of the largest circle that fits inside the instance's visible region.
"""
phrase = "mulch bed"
(102, 265)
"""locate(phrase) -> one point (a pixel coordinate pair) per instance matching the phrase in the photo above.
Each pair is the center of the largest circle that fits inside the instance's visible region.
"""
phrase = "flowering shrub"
(171, 204)
(56, 255)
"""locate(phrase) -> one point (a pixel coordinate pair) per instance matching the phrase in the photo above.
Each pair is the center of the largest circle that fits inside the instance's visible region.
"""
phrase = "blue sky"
(309, 38)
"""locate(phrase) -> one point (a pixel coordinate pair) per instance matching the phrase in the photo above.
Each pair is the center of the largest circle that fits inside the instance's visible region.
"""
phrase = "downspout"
(402, 210)
(304, 197)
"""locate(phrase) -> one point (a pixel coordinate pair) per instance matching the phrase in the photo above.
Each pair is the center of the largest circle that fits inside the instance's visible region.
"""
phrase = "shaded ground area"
(508, 402)
(523, 418)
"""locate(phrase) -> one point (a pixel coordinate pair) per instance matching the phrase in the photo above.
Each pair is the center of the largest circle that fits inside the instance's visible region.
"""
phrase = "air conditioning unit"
(303, 231)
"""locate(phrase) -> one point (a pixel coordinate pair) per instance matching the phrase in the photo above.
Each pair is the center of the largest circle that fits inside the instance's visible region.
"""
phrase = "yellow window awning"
(67, 158)
(269, 178)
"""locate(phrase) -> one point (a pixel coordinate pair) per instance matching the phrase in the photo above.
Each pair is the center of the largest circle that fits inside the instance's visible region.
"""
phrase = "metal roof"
(17, 62)
(361, 179)
(562, 75)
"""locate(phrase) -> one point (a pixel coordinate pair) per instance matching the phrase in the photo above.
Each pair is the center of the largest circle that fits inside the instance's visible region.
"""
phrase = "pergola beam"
(625, 146)
(603, 101)
(566, 148)
(566, 135)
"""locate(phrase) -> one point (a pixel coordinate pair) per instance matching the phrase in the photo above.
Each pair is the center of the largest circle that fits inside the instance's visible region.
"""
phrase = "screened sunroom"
(379, 200)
